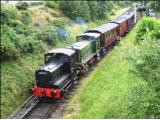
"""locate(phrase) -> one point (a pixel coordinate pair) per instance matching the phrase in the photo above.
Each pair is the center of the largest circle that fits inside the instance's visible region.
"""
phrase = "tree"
(75, 9)
(94, 9)
(22, 6)
(105, 7)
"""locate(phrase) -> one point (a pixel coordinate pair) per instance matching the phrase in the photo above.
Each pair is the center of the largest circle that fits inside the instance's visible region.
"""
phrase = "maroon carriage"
(123, 26)
(108, 34)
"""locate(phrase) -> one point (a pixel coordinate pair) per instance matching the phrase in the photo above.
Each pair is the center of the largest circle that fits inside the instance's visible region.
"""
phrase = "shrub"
(8, 49)
(156, 32)
(26, 18)
(32, 45)
(14, 44)
(88, 10)
(105, 7)
(9, 12)
(48, 34)
(51, 4)
(75, 9)
(58, 22)
(147, 25)
(22, 5)
(18, 26)
(139, 101)
(8, 46)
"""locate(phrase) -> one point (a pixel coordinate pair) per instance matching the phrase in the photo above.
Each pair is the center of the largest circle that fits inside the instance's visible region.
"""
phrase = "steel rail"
(25, 108)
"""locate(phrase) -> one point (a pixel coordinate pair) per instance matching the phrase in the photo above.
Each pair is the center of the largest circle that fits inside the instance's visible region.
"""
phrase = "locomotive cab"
(57, 74)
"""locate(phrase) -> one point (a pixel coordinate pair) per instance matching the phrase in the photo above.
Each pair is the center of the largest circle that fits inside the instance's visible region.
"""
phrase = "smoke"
(81, 22)
(63, 33)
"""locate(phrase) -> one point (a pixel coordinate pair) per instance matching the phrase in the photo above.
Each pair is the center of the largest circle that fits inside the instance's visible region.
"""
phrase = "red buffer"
(46, 92)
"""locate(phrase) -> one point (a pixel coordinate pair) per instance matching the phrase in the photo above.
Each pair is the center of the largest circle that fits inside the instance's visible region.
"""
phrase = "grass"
(107, 92)
(17, 76)
(15, 80)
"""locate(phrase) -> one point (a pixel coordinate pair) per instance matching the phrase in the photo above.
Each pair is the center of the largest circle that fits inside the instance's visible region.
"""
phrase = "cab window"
(48, 58)
(80, 38)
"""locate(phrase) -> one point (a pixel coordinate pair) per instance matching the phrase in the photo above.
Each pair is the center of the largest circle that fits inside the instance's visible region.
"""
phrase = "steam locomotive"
(63, 66)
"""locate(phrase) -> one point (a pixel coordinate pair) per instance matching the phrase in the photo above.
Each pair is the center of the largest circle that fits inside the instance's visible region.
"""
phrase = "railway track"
(25, 108)
(42, 111)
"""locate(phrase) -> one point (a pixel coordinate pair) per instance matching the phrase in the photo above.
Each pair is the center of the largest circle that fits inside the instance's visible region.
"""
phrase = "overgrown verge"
(112, 90)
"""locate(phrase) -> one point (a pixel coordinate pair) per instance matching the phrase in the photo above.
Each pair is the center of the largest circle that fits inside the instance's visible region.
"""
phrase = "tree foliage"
(9, 12)
(75, 9)
(88, 10)
(51, 4)
(22, 5)
(25, 17)
(48, 34)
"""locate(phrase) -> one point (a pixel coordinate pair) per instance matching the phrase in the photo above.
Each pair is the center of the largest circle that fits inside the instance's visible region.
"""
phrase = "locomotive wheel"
(83, 70)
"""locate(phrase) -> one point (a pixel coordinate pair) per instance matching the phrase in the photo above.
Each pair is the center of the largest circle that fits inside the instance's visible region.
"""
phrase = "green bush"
(88, 10)
(9, 12)
(51, 4)
(139, 97)
(18, 26)
(105, 8)
(48, 34)
(147, 26)
(25, 17)
(14, 44)
(74, 9)
(8, 49)
(156, 32)
(32, 45)
(8, 46)
(59, 22)
(22, 5)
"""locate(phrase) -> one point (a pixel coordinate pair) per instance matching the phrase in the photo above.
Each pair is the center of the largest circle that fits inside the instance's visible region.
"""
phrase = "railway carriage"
(131, 20)
(122, 25)
(108, 34)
